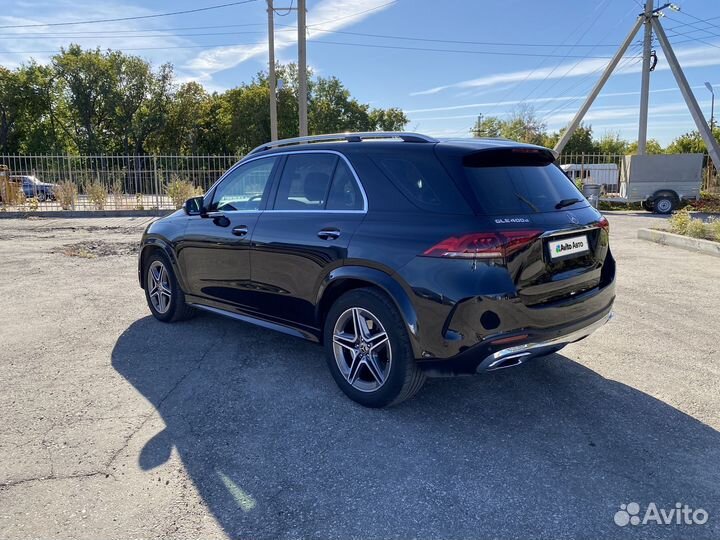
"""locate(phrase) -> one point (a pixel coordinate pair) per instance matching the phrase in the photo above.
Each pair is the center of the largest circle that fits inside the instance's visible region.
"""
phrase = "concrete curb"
(683, 242)
(85, 214)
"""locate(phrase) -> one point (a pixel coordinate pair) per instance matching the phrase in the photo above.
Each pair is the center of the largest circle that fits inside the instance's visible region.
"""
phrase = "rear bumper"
(491, 356)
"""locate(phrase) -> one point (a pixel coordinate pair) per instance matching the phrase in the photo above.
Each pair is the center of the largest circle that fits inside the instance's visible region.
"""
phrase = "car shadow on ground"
(548, 449)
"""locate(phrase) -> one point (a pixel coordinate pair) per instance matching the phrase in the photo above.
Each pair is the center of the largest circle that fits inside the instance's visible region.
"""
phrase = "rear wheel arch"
(345, 279)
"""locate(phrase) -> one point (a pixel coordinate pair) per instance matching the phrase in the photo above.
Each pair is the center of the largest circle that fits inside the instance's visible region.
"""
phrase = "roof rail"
(349, 137)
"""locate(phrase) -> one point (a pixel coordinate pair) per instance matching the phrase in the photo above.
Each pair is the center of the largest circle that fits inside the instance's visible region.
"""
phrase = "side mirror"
(194, 206)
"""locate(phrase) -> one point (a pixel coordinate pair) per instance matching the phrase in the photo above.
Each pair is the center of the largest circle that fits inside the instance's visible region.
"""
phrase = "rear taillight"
(604, 223)
(489, 245)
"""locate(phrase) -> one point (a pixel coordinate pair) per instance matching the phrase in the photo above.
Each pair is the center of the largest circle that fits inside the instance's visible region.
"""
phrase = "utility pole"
(596, 89)
(645, 88)
(272, 82)
(302, 68)
(713, 147)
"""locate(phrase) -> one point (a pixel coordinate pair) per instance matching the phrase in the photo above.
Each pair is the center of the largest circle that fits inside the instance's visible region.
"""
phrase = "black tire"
(177, 309)
(647, 206)
(41, 196)
(664, 204)
(403, 378)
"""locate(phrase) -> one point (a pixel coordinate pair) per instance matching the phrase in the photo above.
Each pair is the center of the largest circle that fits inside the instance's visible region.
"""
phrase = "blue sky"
(441, 91)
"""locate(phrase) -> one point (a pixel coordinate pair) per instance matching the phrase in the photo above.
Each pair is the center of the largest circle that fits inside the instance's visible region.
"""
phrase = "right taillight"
(604, 223)
(486, 245)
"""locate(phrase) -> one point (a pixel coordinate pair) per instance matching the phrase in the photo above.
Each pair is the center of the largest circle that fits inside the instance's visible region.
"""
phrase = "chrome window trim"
(292, 152)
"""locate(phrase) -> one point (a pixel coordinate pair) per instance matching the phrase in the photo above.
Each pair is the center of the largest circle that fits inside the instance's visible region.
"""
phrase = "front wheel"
(164, 296)
(368, 350)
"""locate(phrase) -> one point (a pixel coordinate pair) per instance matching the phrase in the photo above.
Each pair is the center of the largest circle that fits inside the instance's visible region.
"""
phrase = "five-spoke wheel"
(162, 291)
(158, 283)
(369, 351)
(362, 349)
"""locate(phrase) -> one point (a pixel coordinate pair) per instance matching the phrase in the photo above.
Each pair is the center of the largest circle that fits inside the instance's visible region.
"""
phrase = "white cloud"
(333, 14)
(688, 57)
(52, 38)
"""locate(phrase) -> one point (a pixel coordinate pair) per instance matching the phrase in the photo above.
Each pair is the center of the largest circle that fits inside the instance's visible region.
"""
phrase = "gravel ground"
(117, 426)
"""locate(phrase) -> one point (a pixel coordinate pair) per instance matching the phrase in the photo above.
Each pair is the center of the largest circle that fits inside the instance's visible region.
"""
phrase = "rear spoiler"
(517, 156)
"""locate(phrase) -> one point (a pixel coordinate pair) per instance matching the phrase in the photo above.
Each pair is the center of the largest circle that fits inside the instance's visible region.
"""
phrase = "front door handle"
(328, 234)
(240, 230)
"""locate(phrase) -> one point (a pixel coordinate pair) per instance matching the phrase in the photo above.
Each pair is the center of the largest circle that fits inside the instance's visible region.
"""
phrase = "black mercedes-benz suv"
(405, 256)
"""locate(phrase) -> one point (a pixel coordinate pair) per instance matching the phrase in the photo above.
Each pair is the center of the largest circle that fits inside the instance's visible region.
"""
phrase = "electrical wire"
(354, 14)
(571, 68)
(323, 42)
(287, 11)
(134, 18)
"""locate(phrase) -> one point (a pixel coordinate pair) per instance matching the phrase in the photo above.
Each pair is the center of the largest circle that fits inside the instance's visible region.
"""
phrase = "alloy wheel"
(361, 347)
(159, 289)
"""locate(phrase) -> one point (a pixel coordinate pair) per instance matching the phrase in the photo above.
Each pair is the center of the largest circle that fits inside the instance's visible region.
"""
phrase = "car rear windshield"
(526, 185)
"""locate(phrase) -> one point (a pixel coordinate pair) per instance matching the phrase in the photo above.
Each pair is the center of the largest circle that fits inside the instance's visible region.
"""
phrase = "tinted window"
(521, 189)
(423, 180)
(305, 182)
(245, 187)
(344, 193)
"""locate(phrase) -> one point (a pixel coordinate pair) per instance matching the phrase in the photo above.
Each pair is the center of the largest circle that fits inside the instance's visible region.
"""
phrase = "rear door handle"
(328, 234)
(240, 230)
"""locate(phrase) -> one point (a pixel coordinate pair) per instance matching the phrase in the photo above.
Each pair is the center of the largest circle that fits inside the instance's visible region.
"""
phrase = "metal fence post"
(157, 185)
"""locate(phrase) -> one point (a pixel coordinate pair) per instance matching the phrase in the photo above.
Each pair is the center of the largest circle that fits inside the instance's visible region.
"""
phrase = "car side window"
(305, 182)
(244, 188)
(344, 193)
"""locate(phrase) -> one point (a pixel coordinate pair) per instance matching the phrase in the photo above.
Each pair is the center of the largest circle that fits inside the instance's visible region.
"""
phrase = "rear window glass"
(423, 180)
(523, 189)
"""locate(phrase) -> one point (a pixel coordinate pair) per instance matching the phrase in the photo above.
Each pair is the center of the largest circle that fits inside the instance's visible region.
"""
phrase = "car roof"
(467, 144)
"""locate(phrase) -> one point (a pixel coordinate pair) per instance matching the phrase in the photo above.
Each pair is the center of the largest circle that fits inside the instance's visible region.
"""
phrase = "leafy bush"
(66, 194)
(98, 194)
(708, 202)
(139, 202)
(696, 228)
(679, 221)
(715, 229)
(33, 204)
(180, 190)
(116, 189)
(11, 194)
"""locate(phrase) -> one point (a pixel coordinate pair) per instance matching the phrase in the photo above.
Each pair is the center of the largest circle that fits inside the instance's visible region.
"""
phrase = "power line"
(461, 42)
(354, 14)
(105, 32)
(289, 28)
(529, 74)
(369, 45)
(134, 18)
(696, 29)
(552, 85)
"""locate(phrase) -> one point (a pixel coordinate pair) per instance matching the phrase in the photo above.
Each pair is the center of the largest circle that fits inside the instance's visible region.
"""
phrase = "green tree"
(691, 142)
(581, 141)
(652, 147)
(611, 143)
(523, 125)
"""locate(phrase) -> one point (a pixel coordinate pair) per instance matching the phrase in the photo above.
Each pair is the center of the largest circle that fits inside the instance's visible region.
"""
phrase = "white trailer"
(660, 182)
(604, 174)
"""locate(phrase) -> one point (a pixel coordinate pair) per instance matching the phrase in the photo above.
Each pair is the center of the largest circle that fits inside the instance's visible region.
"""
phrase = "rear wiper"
(531, 205)
(566, 202)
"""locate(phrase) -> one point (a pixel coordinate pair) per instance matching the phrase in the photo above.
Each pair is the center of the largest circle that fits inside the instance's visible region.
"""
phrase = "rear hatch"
(555, 243)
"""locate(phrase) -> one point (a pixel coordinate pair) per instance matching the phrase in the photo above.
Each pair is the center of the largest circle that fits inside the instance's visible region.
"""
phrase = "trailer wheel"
(664, 204)
(647, 205)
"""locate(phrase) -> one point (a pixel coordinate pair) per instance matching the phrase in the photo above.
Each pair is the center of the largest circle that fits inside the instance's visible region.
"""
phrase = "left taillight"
(604, 223)
(485, 245)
